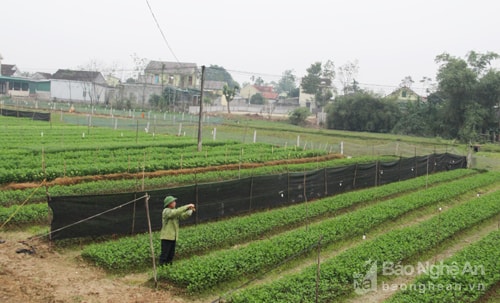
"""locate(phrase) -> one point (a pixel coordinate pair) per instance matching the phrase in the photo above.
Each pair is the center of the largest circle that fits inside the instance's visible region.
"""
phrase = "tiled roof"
(270, 95)
(40, 75)
(8, 70)
(267, 92)
(76, 75)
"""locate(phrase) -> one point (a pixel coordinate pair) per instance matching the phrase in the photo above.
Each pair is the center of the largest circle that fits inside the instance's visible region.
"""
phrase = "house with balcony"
(178, 78)
(176, 74)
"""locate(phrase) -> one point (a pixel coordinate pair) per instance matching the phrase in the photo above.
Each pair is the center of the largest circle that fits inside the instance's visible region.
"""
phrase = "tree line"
(464, 105)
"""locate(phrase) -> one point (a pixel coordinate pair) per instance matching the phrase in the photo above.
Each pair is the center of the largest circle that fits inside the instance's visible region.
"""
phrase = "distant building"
(78, 86)
(214, 90)
(113, 81)
(9, 70)
(404, 95)
(267, 93)
(309, 100)
(41, 76)
(181, 79)
(177, 74)
(14, 85)
(306, 100)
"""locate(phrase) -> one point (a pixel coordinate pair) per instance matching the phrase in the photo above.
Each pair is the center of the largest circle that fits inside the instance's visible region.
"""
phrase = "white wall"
(73, 91)
(305, 98)
(252, 109)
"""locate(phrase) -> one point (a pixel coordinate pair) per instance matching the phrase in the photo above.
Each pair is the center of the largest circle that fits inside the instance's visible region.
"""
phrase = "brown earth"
(161, 173)
(58, 276)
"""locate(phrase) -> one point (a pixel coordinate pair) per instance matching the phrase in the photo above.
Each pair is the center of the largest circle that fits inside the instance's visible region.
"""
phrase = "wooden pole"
(151, 241)
(305, 199)
(137, 131)
(318, 269)
(201, 106)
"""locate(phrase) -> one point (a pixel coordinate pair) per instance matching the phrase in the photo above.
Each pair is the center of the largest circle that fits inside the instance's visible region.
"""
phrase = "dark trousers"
(167, 252)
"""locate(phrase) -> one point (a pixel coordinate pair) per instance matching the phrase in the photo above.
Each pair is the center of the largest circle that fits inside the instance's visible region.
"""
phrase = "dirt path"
(390, 287)
(51, 276)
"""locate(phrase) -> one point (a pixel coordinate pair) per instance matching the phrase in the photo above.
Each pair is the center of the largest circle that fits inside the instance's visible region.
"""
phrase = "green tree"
(170, 95)
(474, 113)
(257, 99)
(470, 88)
(480, 63)
(219, 73)
(362, 112)
(488, 96)
(294, 93)
(347, 73)
(207, 100)
(318, 82)
(155, 101)
(229, 93)
(287, 83)
(417, 119)
(258, 81)
(299, 116)
(406, 82)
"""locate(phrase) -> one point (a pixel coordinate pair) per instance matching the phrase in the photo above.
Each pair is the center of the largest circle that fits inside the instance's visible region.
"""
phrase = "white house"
(78, 86)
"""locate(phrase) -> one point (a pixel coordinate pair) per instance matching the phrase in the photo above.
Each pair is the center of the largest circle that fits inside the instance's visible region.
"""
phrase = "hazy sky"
(390, 39)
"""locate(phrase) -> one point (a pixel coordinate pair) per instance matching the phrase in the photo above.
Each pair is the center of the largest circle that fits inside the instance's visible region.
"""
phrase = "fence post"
(305, 200)
(326, 181)
(196, 220)
(133, 214)
(399, 170)
(251, 194)
(355, 175)
(427, 174)
(318, 269)
(151, 240)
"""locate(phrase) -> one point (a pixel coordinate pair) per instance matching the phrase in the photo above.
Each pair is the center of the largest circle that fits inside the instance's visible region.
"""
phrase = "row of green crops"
(134, 252)
(464, 277)
(18, 215)
(340, 274)
(34, 150)
(201, 273)
(27, 166)
(16, 196)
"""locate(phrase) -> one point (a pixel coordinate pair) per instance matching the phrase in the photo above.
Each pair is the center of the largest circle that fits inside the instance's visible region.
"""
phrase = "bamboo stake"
(151, 241)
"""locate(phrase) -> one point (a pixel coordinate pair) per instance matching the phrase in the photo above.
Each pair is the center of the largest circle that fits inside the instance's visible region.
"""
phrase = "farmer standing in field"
(170, 227)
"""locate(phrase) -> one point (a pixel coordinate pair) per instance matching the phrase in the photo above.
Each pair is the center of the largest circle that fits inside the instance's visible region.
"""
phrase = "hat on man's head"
(168, 200)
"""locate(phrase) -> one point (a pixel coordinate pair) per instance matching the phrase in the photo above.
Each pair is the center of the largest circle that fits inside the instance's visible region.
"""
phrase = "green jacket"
(170, 221)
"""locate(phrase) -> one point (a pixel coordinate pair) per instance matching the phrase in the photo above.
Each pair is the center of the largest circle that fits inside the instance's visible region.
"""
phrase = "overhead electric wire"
(161, 31)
